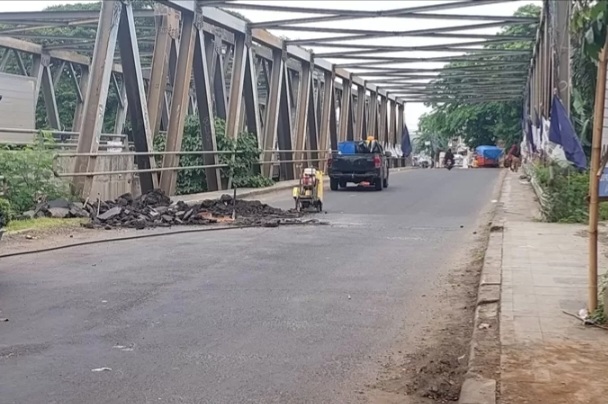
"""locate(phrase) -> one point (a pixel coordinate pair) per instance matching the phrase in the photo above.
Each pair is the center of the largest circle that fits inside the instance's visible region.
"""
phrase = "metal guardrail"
(277, 161)
(161, 169)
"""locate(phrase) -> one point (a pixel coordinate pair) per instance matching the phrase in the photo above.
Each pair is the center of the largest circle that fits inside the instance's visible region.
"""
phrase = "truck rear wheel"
(333, 184)
(378, 184)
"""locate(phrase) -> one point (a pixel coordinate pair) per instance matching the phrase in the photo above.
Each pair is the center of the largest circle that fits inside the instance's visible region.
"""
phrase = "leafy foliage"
(65, 91)
(29, 174)
(566, 191)
(242, 168)
(588, 31)
(481, 123)
(188, 181)
(6, 214)
(590, 19)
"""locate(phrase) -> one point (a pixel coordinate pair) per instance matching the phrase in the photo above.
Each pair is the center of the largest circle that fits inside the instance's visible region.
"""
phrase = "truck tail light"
(329, 162)
(377, 161)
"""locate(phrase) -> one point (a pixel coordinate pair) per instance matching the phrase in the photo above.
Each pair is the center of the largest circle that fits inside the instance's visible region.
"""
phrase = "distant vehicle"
(355, 163)
(423, 162)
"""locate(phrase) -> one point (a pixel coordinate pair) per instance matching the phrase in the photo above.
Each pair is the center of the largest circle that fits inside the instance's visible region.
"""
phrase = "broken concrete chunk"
(58, 213)
(30, 214)
(188, 214)
(115, 211)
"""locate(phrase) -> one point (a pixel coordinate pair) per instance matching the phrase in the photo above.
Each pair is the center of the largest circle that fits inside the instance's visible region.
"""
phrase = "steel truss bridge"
(166, 59)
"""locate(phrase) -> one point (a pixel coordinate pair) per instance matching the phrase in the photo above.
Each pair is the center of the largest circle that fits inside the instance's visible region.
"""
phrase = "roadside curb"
(477, 389)
(538, 190)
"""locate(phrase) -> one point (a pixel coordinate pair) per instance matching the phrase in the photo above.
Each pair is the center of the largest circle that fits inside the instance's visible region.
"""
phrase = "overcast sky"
(413, 111)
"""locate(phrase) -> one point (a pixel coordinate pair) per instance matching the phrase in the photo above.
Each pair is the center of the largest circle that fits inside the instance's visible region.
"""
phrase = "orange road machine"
(309, 193)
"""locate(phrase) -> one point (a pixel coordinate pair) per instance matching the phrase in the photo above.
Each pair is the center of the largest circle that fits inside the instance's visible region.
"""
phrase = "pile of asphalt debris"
(56, 208)
(155, 209)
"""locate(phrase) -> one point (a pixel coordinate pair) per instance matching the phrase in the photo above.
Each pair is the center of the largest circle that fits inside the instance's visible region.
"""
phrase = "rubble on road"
(58, 209)
(155, 209)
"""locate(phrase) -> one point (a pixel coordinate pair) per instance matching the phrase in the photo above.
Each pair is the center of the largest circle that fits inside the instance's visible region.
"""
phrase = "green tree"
(65, 91)
(489, 122)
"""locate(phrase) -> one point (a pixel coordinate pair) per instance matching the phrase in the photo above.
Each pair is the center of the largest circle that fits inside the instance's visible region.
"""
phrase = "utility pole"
(594, 176)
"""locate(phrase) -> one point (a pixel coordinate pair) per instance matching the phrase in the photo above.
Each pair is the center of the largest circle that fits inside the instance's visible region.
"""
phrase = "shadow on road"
(358, 188)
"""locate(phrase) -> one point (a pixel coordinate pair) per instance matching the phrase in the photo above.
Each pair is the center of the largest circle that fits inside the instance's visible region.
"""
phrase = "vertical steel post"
(328, 93)
(21, 64)
(219, 80)
(562, 49)
(373, 115)
(96, 97)
(137, 106)
(382, 138)
(350, 133)
(158, 73)
(179, 103)
(302, 113)
(345, 115)
(50, 101)
(392, 126)
(123, 104)
(361, 98)
(37, 73)
(285, 127)
(250, 97)
(333, 119)
(312, 124)
(272, 109)
(236, 86)
(203, 86)
(5, 58)
(81, 87)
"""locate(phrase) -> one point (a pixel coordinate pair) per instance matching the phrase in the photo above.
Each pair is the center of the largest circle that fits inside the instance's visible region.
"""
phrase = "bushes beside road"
(28, 172)
(565, 193)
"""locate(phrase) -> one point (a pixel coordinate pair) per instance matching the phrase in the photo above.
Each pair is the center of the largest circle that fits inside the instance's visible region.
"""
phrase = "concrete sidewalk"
(547, 357)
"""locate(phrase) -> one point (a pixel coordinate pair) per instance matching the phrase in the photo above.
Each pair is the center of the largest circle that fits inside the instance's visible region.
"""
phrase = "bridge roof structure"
(461, 40)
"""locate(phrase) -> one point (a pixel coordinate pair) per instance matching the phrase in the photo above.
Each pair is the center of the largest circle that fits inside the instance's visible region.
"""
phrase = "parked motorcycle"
(449, 164)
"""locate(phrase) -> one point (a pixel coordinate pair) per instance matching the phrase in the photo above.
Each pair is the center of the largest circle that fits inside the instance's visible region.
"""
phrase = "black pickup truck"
(370, 167)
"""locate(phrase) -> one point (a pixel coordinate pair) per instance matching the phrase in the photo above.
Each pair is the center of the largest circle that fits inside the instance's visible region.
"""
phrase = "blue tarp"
(562, 133)
(489, 152)
(347, 147)
(406, 144)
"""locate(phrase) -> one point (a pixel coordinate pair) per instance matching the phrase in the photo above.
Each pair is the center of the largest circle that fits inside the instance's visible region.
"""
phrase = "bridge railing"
(288, 168)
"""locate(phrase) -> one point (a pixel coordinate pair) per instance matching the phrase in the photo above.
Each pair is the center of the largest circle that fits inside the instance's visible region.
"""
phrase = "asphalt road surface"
(286, 315)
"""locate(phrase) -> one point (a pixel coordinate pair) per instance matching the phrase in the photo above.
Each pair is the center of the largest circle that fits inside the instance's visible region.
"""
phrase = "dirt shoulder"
(432, 368)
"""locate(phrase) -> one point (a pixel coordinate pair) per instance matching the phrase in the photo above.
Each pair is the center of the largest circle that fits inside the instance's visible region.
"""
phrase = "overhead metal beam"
(459, 46)
(400, 34)
(63, 15)
(344, 14)
(466, 53)
(405, 14)
(230, 22)
(371, 60)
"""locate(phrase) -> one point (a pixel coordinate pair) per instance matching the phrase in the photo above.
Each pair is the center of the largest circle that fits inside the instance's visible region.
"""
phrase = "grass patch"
(43, 223)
